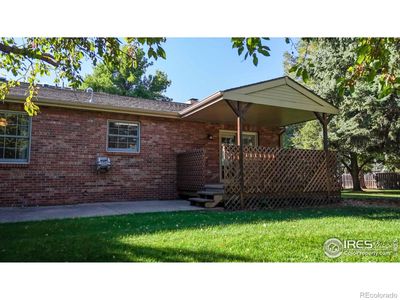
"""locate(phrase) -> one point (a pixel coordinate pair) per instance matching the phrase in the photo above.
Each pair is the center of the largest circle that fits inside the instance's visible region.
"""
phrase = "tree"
(128, 80)
(372, 61)
(253, 47)
(375, 62)
(28, 58)
(368, 125)
(308, 136)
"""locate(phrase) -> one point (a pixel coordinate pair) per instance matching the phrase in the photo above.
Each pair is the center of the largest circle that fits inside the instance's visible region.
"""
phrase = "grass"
(372, 194)
(270, 236)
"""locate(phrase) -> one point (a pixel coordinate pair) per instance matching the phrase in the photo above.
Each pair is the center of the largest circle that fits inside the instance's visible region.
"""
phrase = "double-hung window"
(123, 136)
(14, 137)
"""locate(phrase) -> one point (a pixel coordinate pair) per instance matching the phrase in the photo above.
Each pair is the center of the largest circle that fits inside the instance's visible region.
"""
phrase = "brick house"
(51, 158)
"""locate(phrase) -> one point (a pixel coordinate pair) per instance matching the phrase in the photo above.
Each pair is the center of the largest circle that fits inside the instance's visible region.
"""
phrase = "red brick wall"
(65, 144)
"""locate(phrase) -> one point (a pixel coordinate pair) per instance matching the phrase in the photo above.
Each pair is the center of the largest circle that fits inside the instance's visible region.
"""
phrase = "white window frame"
(121, 150)
(222, 131)
(20, 161)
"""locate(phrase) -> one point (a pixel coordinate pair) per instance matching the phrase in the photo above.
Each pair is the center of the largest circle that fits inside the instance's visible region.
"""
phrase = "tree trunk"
(355, 172)
(362, 180)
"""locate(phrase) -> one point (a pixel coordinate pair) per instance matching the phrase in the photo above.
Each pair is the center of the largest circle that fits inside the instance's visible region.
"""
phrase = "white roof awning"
(276, 103)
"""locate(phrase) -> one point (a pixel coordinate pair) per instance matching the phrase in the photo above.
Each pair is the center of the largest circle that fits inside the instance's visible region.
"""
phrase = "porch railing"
(275, 177)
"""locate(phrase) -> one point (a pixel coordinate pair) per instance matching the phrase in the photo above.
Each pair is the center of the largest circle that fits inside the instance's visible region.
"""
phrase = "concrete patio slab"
(21, 214)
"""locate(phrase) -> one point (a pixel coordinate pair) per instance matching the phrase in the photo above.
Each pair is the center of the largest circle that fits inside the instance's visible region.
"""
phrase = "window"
(229, 137)
(123, 136)
(14, 137)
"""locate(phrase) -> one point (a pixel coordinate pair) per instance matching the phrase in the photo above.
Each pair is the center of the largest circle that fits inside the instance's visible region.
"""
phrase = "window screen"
(14, 136)
(123, 136)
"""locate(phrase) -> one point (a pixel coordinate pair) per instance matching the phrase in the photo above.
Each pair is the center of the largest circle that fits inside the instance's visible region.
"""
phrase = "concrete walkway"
(20, 214)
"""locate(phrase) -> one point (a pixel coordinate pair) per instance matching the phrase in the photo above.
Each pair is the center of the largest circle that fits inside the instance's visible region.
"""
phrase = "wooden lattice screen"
(191, 170)
(275, 178)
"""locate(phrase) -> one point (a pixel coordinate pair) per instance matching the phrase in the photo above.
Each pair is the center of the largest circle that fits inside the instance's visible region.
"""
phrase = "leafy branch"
(30, 58)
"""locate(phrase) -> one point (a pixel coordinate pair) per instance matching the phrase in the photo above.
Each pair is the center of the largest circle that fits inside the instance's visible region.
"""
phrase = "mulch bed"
(381, 202)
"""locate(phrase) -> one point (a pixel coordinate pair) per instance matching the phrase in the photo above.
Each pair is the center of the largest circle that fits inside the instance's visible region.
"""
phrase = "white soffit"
(282, 92)
(277, 102)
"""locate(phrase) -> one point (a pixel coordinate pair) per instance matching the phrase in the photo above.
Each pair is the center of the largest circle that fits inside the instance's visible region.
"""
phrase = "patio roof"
(277, 102)
(274, 103)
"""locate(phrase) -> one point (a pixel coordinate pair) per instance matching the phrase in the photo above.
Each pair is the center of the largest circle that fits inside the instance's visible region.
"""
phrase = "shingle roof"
(98, 99)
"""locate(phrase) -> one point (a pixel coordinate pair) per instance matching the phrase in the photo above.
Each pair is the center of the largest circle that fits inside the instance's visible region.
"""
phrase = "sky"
(199, 67)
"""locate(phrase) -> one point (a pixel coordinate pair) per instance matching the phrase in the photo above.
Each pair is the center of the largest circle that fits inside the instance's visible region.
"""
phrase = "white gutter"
(210, 100)
(96, 107)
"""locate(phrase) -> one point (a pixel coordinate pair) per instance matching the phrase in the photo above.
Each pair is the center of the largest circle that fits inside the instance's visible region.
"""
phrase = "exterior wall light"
(210, 137)
(3, 122)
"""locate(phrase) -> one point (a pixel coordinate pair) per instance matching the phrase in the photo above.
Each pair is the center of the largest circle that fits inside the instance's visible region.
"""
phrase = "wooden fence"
(366, 180)
(382, 180)
(191, 170)
(387, 180)
(275, 178)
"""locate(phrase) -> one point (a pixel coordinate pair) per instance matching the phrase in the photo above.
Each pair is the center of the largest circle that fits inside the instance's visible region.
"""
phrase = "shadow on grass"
(102, 238)
(128, 252)
(147, 223)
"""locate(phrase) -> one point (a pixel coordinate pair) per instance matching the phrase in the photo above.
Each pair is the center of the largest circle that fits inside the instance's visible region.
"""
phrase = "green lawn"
(279, 236)
(368, 194)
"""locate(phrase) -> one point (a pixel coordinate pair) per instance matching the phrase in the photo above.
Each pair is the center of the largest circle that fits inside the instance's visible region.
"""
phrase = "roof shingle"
(98, 99)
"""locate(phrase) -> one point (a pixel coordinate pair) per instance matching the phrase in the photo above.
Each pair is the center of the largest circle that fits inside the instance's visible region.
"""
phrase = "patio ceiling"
(274, 103)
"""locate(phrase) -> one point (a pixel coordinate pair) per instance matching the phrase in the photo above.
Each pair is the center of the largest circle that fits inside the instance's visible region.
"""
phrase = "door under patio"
(229, 137)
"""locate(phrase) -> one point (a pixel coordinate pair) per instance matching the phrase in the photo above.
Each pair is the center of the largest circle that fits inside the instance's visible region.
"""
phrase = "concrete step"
(211, 192)
(208, 203)
(214, 186)
(200, 200)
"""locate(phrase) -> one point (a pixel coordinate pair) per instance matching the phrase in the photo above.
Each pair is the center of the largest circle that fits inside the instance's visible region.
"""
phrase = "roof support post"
(240, 144)
(240, 110)
(280, 133)
(324, 120)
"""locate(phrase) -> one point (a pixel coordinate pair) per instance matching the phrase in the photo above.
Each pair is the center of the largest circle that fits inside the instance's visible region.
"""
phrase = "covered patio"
(264, 177)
